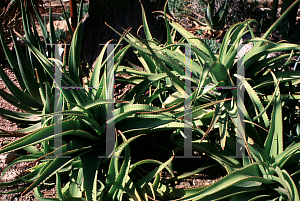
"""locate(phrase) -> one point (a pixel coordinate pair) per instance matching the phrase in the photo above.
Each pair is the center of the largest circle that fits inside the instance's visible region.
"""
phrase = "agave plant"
(164, 78)
(36, 85)
(10, 16)
(83, 140)
(213, 70)
(214, 20)
(35, 96)
(270, 172)
(11, 11)
(83, 126)
(157, 103)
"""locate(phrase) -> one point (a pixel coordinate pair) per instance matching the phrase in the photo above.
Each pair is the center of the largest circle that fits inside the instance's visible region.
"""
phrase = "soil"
(17, 169)
(143, 147)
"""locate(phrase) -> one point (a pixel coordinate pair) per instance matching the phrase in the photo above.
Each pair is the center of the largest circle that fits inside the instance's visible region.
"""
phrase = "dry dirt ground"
(198, 180)
(192, 182)
(120, 90)
(15, 170)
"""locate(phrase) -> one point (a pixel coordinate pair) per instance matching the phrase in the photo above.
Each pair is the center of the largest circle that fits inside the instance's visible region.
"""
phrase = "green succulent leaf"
(90, 164)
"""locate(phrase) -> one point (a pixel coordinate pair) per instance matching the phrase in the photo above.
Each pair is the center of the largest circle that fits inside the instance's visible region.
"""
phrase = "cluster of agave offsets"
(269, 169)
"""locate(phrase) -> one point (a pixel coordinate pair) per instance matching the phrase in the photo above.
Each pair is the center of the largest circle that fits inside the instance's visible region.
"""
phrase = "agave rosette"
(164, 79)
(157, 103)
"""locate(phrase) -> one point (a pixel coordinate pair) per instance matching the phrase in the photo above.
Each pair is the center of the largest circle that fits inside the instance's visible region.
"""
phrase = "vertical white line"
(188, 104)
(58, 107)
(110, 122)
(240, 129)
